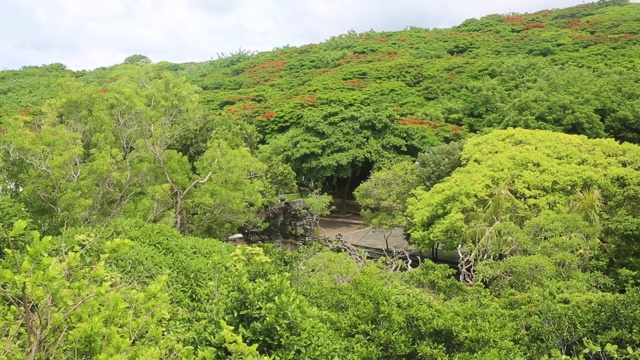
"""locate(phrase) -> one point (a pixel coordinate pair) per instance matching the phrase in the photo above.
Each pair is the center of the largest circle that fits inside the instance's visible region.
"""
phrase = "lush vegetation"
(510, 139)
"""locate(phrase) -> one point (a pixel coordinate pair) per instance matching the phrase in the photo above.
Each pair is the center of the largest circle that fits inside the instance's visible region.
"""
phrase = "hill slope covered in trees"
(571, 70)
(487, 138)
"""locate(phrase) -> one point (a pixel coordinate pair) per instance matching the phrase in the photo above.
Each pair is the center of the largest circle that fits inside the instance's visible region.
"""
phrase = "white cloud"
(84, 34)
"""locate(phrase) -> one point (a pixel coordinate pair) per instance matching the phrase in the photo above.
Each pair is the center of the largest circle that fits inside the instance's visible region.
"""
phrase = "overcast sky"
(85, 34)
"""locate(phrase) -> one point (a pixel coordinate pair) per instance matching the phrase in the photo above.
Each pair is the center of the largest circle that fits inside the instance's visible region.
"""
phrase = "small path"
(369, 237)
(356, 233)
(329, 228)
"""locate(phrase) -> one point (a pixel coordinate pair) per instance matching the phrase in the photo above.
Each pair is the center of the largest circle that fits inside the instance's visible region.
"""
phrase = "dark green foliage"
(438, 162)
(137, 58)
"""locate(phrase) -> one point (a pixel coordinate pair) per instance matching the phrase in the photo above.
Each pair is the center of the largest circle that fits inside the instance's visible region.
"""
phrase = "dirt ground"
(358, 234)
(330, 228)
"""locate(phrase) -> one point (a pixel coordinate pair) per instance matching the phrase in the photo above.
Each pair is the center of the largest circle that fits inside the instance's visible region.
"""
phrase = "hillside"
(511, 141)
(571, 70)
(465, 76)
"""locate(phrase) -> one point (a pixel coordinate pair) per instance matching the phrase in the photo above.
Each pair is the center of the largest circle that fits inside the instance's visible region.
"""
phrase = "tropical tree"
(55, 304)
(541, 168)
(383, 197)
(438, 162)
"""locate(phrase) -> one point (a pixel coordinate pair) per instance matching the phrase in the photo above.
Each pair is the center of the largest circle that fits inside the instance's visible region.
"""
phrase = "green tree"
(342, 143)
(542, 167)
(137, 58)
(127, 138)
(236, 188)
(55, 304)
(44, 167)
(383, 197)
(438, 162)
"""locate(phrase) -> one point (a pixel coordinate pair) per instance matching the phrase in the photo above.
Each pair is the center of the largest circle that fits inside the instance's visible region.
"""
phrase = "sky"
(85, 34)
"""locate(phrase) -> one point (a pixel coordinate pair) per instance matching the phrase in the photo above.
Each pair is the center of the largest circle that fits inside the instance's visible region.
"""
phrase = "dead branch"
(356, 255)
(466, 266)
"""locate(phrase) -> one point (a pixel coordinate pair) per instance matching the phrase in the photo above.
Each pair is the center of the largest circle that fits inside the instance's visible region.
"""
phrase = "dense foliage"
(510, 139)
(517, 190)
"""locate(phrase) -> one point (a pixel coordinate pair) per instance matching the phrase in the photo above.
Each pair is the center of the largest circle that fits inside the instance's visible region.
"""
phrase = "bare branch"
(358, 256)
(466, 266)
(14, 301)
(196, 183)
(144, 320)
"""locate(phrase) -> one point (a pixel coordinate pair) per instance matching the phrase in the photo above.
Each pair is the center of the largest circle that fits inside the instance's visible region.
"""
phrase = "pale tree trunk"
(179, 215)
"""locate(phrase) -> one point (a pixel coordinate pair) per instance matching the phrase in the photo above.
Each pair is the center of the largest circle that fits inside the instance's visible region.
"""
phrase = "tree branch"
(196, 183)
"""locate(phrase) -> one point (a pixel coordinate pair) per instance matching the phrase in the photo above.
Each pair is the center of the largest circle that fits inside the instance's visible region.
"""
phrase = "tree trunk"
(345, 193)
(179, 223)
(386, 239)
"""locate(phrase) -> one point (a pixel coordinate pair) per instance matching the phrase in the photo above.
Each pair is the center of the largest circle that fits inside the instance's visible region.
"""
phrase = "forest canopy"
(510, 141)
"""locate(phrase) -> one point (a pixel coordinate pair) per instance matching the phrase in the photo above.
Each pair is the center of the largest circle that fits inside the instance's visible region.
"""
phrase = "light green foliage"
(530, 93)
(10, 212)
(128, 138)
(279, 174)
(364, 306)
(223, 302)
(235, 345)
(56, 304)
(26, 89)
(137, 58)
(270, 312)
(384, 196)
(339, 143)
(44, 161)
(545, 170)
(523, 192)
(232, 195)
(318, 204)
(214, 286)
(386, 318)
